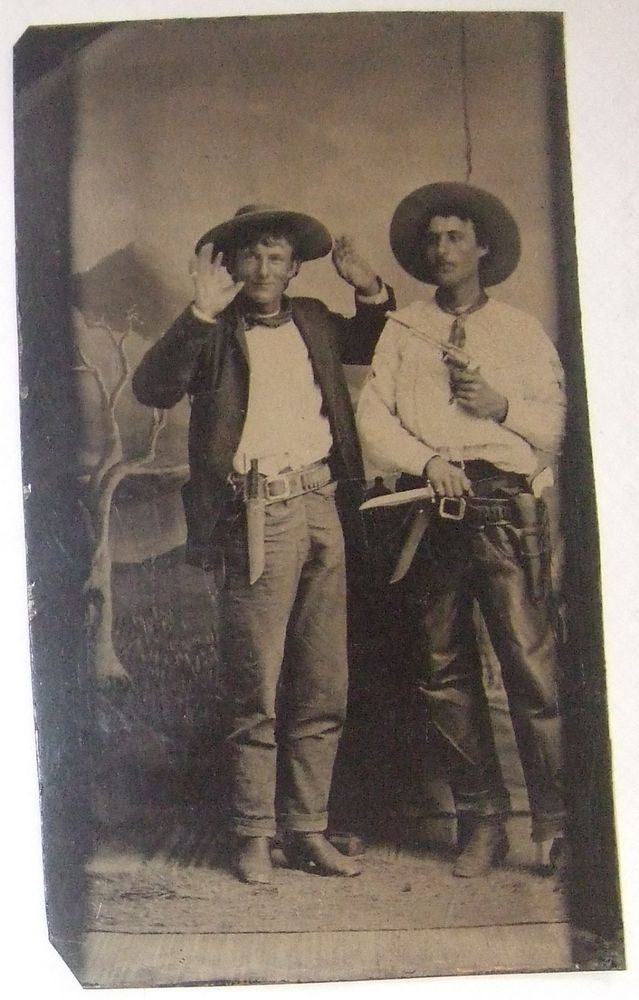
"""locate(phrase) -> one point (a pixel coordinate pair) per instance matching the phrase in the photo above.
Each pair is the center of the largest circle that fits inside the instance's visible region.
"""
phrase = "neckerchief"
(251, 319)
(457, 335)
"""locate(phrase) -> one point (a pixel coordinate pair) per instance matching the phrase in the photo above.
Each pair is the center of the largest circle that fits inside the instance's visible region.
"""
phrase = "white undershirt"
(284, 426)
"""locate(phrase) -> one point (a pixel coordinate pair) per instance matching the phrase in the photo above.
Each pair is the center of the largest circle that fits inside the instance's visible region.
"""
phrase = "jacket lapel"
(234, 328)
(317, 340)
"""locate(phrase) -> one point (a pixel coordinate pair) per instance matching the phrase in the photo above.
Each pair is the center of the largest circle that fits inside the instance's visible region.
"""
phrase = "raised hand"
(214, 286)
(353, 268)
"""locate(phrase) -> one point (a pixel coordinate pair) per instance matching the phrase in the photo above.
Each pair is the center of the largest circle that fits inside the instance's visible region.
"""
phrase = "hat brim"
(489, 215)
(312, 239)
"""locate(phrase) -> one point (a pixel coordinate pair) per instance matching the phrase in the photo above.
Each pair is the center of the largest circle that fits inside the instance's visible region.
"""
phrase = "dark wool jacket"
(209, 362)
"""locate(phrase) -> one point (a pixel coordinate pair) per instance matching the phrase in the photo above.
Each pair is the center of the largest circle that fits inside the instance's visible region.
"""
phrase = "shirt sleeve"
(380, 298)
(166, 371)
(385, 440)
(537, 401)
(358, 334)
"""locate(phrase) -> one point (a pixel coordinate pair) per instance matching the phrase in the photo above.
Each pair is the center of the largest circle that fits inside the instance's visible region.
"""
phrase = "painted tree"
(112, 465)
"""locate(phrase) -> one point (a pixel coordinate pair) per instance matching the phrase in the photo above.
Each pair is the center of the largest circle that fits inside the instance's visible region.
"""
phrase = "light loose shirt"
(284, 426)
(405, 415)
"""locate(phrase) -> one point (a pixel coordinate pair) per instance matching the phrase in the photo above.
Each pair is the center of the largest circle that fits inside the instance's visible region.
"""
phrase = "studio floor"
(176, 916)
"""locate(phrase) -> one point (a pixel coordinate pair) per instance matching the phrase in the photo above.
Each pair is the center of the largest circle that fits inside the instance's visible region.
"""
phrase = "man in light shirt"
(271, 437)
(478, 418)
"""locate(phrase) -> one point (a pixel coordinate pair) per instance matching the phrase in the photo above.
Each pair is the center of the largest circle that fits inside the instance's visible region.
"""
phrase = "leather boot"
(252, 862)
(312, 852)
(553, 857)
(483, 846)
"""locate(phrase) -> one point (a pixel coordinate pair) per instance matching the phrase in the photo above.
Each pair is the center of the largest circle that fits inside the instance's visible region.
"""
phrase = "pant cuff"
(245, 828)
(483, 804)
(304, 824)
(548, 827)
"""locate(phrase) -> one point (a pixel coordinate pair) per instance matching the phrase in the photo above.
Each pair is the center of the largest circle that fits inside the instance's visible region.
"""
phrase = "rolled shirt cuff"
(378, 299)
(416, 458)
(202, 316)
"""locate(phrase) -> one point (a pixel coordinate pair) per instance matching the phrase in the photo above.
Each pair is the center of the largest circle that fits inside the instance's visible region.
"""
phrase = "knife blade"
(420, 522)
(395, 499)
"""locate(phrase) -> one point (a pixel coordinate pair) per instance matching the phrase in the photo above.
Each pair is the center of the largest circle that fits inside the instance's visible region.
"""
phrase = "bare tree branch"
(135, 466)
(91, 369)
(125, 365)
(159, 421)
(88, 522)
(113, 438)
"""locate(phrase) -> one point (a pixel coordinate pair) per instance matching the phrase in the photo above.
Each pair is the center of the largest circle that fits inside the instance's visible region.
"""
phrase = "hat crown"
(254, 208)
(312, 239)
(500, 232)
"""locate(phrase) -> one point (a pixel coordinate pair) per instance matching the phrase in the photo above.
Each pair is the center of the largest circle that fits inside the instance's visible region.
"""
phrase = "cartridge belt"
(476, 512)
(287, 485)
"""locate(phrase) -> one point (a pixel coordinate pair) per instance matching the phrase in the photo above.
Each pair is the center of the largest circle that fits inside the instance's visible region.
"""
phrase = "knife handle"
(252, 486)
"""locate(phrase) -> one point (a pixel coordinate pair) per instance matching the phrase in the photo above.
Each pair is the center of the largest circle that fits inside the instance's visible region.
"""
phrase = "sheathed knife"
(255, 510)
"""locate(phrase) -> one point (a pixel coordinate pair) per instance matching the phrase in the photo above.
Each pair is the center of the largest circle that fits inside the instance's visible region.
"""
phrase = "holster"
(531, 530)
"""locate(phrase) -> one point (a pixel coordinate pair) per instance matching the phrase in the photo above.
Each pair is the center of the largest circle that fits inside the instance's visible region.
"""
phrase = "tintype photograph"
(312, 546)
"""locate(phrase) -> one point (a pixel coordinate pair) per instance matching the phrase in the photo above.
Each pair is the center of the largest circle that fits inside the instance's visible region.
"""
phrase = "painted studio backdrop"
(131, 141)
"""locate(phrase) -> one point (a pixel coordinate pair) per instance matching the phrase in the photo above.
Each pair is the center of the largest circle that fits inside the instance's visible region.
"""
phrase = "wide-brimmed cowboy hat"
(494, 226)
(312, 239)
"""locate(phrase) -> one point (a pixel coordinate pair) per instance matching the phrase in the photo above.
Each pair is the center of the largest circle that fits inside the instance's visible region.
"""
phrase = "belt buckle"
(285, 494)
(452, 508)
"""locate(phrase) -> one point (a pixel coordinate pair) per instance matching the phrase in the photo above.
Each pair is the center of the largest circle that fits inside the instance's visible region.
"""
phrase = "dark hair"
(447, 210)
(250, 237)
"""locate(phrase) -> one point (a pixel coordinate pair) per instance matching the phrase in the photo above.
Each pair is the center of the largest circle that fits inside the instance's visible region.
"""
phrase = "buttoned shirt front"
(406, 416)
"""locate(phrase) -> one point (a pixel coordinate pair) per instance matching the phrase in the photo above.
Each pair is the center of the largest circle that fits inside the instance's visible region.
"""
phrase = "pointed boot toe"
(312, 852)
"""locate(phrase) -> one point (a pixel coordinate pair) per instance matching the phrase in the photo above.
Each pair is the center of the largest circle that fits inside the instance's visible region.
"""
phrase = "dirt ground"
(400, 887)
(182, 891)
(157, 904)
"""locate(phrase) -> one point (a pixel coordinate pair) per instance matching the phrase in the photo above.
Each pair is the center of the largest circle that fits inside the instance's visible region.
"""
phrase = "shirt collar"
(251, 319)
(478, 303)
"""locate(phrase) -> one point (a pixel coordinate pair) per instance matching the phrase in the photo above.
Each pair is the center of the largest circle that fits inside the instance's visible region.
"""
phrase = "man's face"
(452, 251)
(265, 267)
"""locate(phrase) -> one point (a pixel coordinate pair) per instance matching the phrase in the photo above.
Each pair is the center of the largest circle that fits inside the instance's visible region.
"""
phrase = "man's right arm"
(385, 439)
(167, 370)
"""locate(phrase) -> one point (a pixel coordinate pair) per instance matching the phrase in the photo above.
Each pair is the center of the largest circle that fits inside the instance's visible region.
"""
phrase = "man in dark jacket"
(271, 437)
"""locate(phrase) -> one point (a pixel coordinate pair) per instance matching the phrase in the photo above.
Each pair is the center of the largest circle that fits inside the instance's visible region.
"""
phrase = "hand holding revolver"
(471, 390)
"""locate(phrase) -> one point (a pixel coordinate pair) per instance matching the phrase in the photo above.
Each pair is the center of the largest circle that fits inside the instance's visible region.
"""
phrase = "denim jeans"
(284, 643)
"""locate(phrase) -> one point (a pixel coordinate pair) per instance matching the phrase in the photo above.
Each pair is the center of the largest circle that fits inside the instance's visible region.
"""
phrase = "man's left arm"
(532, 406)
(537, 403)
(359, 334)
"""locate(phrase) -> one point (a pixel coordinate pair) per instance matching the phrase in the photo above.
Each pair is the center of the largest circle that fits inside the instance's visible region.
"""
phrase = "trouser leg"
(254, 633)
(524, 642)
(450, 674)
(298, 607)
(316, 678)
